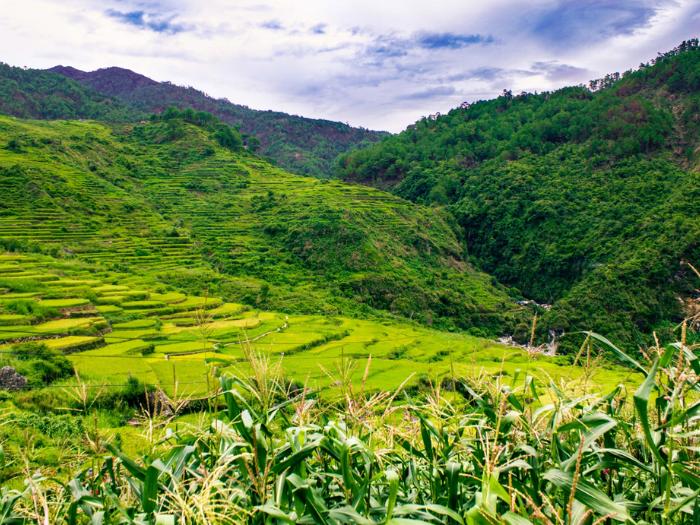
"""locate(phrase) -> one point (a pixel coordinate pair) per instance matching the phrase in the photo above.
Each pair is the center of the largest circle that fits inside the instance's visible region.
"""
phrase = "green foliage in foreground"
(584, 198)
(126, 335)
(489, 453)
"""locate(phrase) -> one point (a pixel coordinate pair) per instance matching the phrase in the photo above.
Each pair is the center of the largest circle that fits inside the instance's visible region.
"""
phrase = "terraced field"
(114, 326)
(203, 216)
(59, 203)
(171, 259)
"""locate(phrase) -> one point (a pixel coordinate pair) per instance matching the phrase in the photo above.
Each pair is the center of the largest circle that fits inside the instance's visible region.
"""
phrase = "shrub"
(14, 145)
(29, 307)
(39, 364)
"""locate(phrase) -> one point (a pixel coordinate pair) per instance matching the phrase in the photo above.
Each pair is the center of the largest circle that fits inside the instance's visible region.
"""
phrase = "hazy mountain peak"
(109, 80)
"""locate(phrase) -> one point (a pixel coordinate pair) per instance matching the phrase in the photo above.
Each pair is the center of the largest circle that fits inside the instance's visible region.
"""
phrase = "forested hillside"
(587, 197)
(33, 93)
(301, 145)
(179, 195)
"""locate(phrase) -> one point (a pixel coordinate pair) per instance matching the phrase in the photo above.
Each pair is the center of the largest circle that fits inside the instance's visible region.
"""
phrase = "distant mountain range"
(301, 145)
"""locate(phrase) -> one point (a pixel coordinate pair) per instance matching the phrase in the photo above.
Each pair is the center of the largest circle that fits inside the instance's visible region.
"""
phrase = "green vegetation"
(37, 363)
(109, 366)
(190, 335)
(32, 93)
(176, 197)
(301, 145)
(172, 340)
(226, 136)
(586, 197)
(465, 452)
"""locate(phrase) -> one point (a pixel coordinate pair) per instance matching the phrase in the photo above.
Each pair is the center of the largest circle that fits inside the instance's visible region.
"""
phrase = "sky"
(380, 64)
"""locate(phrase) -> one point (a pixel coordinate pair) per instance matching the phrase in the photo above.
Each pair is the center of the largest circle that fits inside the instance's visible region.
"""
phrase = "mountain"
(586, 198)
(33, 93)
(301, 145)
(178, 197)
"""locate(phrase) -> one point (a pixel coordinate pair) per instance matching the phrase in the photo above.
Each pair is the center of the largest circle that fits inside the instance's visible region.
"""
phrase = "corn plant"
(512, 450)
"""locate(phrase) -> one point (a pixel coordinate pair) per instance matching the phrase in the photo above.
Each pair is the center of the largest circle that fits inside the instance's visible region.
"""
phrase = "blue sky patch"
(451, 40)
(274, 25)
(430, 93)
(144, 20)
(576, 21)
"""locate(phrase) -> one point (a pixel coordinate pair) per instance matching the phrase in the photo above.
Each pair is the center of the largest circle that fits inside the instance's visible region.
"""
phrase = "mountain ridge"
(129, 79)
(303, 145)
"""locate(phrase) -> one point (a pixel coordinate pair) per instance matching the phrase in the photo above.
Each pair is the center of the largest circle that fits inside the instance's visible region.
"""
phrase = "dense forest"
(585, 198)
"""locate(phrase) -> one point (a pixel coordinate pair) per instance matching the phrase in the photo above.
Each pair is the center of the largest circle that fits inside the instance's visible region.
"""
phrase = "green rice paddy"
(177, 341)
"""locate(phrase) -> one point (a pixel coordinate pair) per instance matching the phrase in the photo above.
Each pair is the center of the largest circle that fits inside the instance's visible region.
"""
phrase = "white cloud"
(377, 64)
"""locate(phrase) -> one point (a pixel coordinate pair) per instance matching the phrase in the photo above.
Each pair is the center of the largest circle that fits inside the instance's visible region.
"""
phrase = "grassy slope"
(588, 200)
(164, 198)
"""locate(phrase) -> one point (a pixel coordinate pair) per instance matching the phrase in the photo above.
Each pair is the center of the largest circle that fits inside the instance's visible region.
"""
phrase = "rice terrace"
(214, 314)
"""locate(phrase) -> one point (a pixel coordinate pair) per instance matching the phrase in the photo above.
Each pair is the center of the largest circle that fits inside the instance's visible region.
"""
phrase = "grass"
(64, 303)
(64, 325)
(138, 323)
(73, 343)
(11, 319)
(135, 347)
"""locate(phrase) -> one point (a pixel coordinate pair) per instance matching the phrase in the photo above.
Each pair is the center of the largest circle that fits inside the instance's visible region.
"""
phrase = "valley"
(213, 314)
